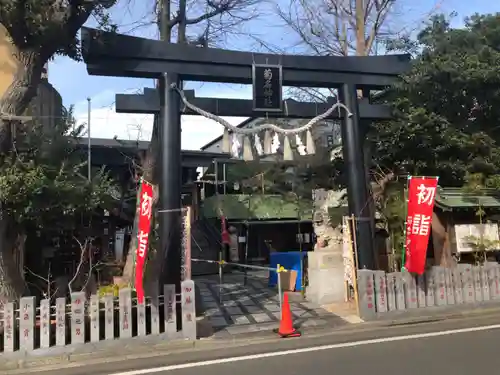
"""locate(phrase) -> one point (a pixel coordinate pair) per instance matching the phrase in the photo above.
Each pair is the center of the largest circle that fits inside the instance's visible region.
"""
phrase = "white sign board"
(467, 236)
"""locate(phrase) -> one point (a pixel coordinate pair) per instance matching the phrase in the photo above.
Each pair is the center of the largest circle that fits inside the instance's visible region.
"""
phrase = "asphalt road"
(460, 354)
(460, 347)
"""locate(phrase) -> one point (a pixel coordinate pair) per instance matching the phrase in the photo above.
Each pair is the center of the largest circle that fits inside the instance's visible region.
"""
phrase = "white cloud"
(196, 130)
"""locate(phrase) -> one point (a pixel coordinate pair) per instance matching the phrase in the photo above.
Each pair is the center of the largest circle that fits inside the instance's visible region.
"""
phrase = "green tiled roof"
(452, 198)
(256, 207)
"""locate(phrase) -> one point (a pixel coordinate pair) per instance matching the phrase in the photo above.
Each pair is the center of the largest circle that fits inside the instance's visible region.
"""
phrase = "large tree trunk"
(22, 90)
(15, 102)
(11, 279)
(148, 173)
(128, 268)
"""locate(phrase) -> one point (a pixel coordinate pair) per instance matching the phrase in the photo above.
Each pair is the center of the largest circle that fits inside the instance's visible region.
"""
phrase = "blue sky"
(70, 78)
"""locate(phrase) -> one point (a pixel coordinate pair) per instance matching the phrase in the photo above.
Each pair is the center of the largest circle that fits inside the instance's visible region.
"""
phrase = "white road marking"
(307, 350)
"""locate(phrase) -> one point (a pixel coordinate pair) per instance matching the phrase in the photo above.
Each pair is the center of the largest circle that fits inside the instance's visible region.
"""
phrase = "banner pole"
(352, 224)
(406, 218)
(135, 232)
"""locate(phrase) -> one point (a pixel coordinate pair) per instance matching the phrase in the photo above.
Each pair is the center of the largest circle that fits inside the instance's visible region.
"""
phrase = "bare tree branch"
(345, 27)
(89, 274)
(38, 276)
(83, 252)
(195, 21)
(47, 292)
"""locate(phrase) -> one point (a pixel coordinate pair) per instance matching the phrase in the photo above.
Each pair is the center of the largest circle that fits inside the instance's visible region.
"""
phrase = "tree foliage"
(446, 110)
(51, 26)
(447, 106)
(43, 181)
(39, 176)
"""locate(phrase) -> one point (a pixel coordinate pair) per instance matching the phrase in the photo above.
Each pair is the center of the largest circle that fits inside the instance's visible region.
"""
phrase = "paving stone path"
(234, 304)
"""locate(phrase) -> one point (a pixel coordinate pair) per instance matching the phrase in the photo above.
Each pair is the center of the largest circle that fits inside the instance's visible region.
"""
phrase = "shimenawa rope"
(262, 127)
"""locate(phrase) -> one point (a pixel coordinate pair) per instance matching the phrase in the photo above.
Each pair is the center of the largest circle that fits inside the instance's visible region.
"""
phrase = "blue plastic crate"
(289, 260)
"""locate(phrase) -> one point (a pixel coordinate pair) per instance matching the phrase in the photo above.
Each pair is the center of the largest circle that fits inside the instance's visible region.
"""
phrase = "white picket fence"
(380, 292)
(28, 327)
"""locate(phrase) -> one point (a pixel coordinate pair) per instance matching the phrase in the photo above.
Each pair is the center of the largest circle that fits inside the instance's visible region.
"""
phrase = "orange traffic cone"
(286, 325)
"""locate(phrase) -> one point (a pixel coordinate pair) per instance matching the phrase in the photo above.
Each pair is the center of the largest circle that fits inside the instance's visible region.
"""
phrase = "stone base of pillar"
(326, 277)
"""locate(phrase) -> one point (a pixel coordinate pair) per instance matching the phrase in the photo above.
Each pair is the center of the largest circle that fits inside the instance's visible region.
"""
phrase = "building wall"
(325, 133)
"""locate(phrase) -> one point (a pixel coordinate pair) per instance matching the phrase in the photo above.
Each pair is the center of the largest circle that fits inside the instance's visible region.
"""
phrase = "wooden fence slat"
(78, 318)
(45, 323)
(155, 314)
(380, 291)
(94, 319)
(456, 278)
(410, 288)
(27, 323)
(125, 305)
(400, 291)
(450, 287)
(141, 318)
(492, 271)
(485, 283)
(188, 310)
(61, 321)
(421, 291)
(366, 293)
(391, 291)
(169, 304)
(430, 288)
(8, 323)
(468, 282)
(109, 318)
(440, 291)
(478, 288)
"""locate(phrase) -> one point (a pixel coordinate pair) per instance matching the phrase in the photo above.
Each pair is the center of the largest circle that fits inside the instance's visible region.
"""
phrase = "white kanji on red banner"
(146, 205)
(143, 227)
(426, 194)
(143, 243)
(421, 225)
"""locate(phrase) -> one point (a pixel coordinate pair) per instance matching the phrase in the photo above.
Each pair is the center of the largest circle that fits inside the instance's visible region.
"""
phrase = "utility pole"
(89, 142)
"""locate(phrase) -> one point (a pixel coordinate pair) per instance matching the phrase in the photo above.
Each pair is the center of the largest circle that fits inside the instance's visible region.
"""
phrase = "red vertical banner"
(421, 196)
(224, 232)
(144, 212)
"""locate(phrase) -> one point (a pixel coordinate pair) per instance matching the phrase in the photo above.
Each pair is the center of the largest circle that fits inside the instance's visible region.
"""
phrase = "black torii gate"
(149, 103)
(110, 54)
